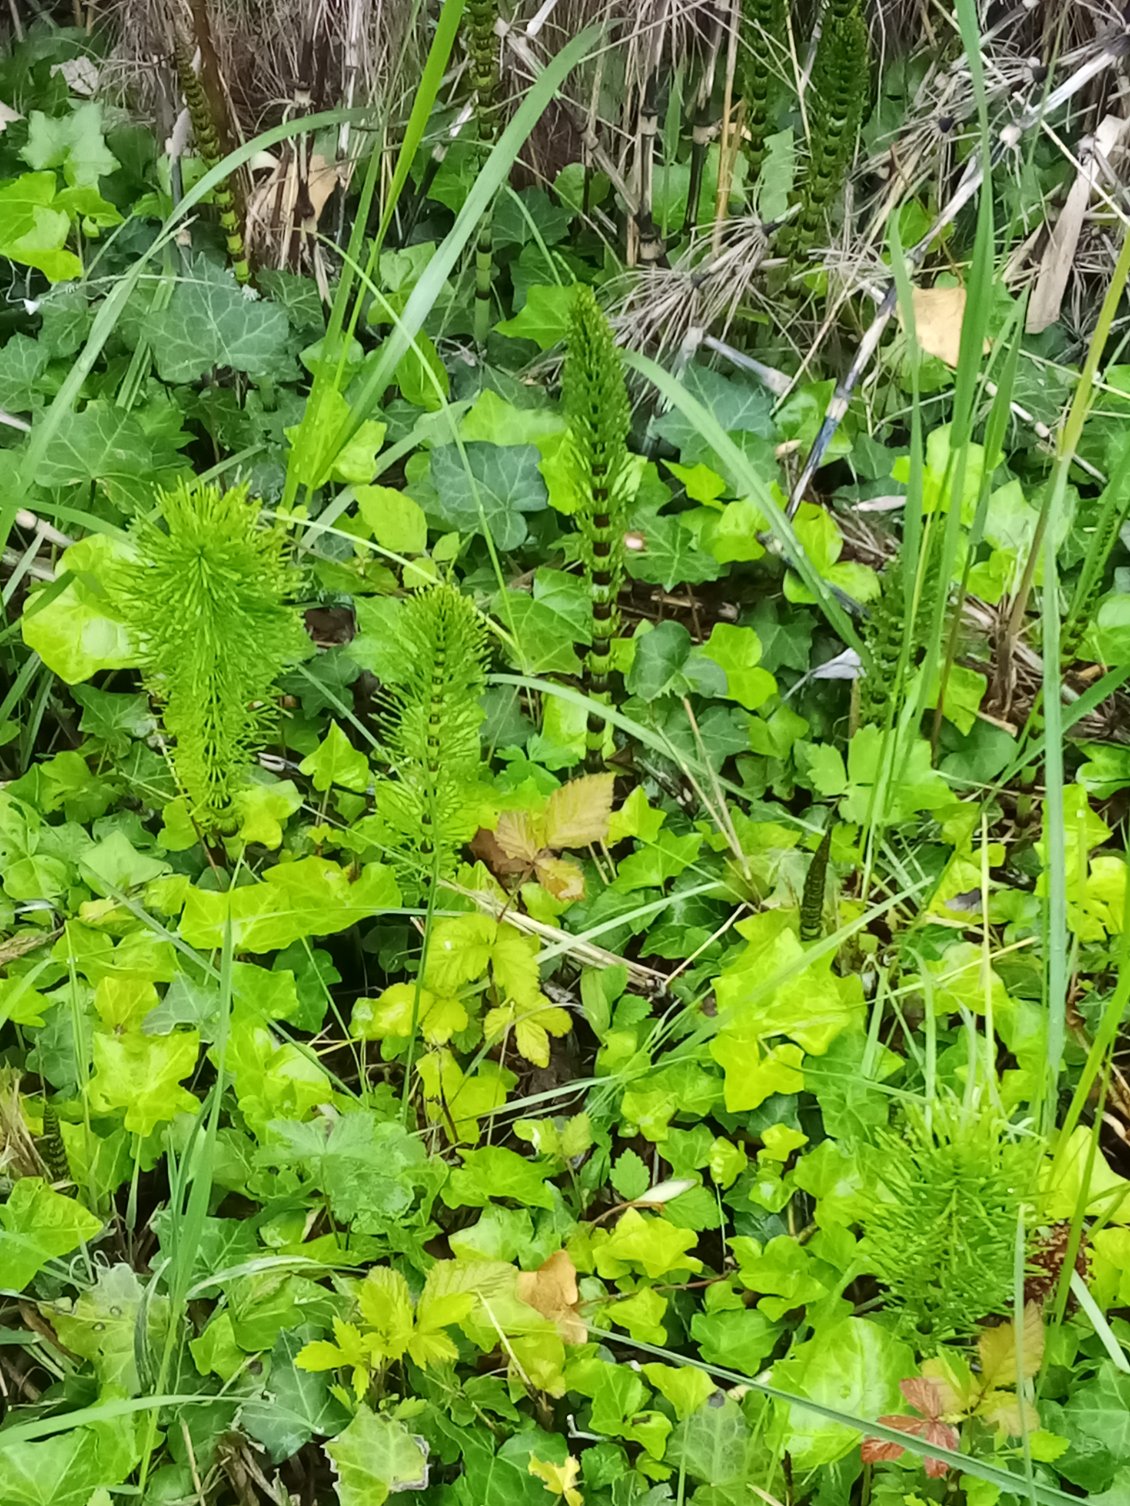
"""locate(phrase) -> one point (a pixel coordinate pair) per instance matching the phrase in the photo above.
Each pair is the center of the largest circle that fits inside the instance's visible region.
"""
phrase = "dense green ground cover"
(531, 970)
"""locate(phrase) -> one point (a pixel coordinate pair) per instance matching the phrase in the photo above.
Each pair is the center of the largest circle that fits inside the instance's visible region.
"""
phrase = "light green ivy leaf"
(337, 761)
(75, 630)
(375, 1456)
(37, 1224)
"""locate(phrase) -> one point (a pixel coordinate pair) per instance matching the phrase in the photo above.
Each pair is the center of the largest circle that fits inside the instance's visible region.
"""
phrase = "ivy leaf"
(715, 1443)
(22, 362)
(374, 1456)
(395, 520)
(37, 1224)
(309, 897)
(296, 1405)
(650, 1243)
(738, 651)
(492, 419)
(671, 554)
(210, 322)
(109, 446)
(659, 658)
(544, 318)
(69, 1469)
(543, 642)
(854, 1367)
(142, 1074)
(495, 1172)
(75, 630)
(263, 807)
(102, 1325)
(32, 231)
(73, 142)
(337, 761)
(501, 480)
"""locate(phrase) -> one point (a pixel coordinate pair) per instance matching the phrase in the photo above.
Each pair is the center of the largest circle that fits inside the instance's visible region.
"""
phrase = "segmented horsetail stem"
(596, 403)
(52, 1150)
(764, 23)
(209, 147)
(481, 40)
(815, 883)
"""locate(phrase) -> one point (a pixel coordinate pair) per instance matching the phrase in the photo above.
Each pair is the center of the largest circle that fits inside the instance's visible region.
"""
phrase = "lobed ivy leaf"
(487, 487)
(374, 1456)
(211, 322)
(36, 1225)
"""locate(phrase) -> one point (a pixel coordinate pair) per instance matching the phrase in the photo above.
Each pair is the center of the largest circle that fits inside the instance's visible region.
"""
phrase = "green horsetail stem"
(838, 94)
(209, 147)
(763, 23)
(479, 18)
(596, 405)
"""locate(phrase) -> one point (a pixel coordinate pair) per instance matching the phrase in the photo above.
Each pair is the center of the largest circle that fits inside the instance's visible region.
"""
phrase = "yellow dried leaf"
(552, 1291)
(578, 812)
(938, 316)
(1009, 1413)
(517, 835)
(997, 1348)
(561, 877)
(560, 1479)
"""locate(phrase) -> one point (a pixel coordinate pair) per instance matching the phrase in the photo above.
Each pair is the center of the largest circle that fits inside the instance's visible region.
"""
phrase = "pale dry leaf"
(322, 177)
(938, 316)
(578, 812)
(664, 1192)
(561, 877)
(997, 1348)
(512, 846)
(552, 1291)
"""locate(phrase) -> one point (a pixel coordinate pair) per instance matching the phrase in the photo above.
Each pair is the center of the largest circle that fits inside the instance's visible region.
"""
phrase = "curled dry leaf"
(552, 1291)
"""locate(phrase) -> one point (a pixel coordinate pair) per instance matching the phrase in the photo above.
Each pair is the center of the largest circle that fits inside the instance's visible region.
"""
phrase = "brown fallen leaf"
(938, 316)
(552, 1291)
(528, 843)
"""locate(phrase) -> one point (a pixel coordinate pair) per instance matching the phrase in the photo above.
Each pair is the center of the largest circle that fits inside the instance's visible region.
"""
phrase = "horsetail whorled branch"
(209, 147)
(596, 404)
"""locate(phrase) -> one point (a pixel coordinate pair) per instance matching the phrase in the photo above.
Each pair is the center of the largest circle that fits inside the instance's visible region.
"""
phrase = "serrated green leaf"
(630, 1176)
